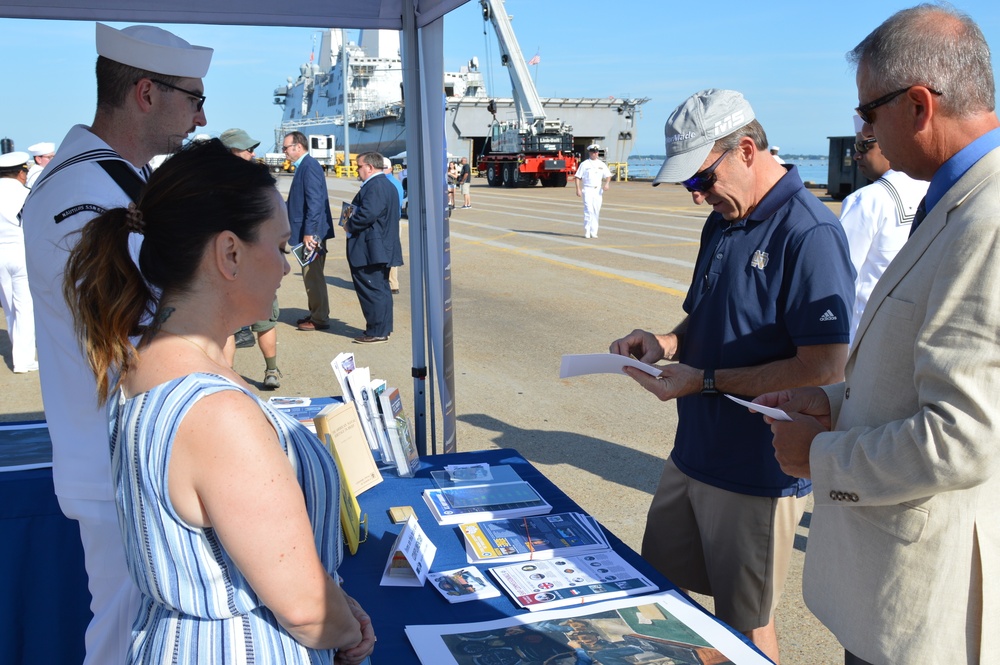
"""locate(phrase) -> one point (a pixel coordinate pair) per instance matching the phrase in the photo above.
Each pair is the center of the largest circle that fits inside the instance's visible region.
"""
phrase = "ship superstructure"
(313, 102)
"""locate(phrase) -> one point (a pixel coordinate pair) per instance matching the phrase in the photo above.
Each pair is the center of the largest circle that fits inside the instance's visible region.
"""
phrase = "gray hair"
(373, 159)
(753, 129)
(935, 46)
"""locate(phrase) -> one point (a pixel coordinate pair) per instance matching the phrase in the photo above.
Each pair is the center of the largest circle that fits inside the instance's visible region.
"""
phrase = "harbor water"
(810, 170)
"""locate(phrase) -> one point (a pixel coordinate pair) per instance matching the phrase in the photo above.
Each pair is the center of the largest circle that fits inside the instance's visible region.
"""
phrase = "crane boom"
(526, 99)
(529, 149)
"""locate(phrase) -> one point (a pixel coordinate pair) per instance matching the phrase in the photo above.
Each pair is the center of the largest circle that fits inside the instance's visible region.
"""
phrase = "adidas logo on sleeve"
(828, 316)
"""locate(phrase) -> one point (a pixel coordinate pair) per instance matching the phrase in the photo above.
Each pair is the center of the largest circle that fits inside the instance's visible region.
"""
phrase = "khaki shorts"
(466, 188)
(267, 324)
(734, 547)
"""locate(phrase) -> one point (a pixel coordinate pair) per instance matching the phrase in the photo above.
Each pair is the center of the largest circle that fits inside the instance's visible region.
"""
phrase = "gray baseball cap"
(238, 139)
(694, 127)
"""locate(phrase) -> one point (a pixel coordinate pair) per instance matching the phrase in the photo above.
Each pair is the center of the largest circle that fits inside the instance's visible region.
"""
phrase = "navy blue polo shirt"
(762, 287)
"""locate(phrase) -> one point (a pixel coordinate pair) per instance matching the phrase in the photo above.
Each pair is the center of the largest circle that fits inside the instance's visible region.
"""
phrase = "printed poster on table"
(660, 628)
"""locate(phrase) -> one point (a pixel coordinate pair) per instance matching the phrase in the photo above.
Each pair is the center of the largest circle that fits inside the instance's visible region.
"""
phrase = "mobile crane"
(530, 148)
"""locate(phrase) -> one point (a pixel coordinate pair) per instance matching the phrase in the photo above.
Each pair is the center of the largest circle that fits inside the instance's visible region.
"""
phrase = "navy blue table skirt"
(44, 602)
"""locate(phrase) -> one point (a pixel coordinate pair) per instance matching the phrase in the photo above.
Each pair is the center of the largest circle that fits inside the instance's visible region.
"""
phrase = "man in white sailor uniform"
(593, 178)
(877, 219)
(41, 154)
(149, 99)
(14, 293)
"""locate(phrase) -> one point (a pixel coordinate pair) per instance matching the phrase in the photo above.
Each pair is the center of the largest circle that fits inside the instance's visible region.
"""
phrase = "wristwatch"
(708, 383)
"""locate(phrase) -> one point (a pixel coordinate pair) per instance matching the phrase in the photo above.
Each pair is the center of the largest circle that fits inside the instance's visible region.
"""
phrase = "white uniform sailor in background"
(14, 292)
(774, 150)
(42, 153)
(877, 218)
(593, 178)
(149, 99)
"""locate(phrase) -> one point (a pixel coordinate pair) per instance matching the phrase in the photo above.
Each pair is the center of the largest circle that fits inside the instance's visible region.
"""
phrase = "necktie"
(919, 215)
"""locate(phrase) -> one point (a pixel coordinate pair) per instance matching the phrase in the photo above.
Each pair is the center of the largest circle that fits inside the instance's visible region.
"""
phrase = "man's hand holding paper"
(809, 409)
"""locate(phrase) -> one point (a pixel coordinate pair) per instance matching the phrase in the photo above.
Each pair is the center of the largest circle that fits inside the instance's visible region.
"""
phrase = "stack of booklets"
(530, 538)
(303, 409)
(571, 580)
(381, 414)
(467, 503)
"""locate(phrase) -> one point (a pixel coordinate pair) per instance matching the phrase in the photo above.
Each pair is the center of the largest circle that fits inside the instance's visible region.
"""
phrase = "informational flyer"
(659, 628)
(545, 584)
(463, 584)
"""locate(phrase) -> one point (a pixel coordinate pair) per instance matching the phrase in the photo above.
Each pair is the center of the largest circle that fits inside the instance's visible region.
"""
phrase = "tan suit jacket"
(903, 560)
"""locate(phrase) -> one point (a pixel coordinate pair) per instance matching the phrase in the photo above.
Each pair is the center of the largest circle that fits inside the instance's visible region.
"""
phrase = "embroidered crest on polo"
(759, 259)
(828, 316)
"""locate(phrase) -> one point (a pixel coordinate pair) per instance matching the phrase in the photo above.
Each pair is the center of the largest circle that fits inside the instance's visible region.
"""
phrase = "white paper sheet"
(578, 364)
(777, 414)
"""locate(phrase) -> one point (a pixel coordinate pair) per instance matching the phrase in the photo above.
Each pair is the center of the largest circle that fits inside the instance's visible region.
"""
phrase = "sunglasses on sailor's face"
(863, 146)
(702, 181)
(865, 111)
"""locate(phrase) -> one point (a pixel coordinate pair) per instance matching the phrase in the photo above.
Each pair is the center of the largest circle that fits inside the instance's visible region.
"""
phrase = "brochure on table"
(536, 537)
(473, 503)
(562, 581)
(410, 557)
(658, 628)
(463, 584)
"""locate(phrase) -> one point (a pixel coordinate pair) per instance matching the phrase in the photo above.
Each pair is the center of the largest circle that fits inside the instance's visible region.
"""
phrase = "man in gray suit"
(904, 544)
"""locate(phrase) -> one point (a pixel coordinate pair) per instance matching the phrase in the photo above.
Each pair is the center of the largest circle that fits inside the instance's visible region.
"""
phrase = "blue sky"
(786, 57)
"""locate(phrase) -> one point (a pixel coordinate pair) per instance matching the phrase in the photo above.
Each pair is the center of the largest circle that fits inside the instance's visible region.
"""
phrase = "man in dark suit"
(312, 224)
(373, 246)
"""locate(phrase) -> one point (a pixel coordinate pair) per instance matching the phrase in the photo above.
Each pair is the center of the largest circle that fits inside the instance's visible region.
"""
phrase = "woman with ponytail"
(228, 508)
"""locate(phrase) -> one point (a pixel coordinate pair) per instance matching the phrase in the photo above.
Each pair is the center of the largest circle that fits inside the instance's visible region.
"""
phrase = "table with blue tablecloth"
(44, 600)
(393, 608)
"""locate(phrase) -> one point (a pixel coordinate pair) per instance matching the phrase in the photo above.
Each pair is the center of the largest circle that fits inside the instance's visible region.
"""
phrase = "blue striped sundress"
(196, 605)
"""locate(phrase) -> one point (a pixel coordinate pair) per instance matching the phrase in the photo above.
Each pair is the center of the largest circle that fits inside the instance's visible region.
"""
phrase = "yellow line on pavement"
(589, 271)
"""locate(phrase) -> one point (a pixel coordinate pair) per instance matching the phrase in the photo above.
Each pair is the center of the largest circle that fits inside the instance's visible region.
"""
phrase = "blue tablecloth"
(393, 608)
(44, 602)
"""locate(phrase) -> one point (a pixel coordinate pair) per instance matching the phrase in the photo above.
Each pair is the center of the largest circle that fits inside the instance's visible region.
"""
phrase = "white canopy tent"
(422, 37)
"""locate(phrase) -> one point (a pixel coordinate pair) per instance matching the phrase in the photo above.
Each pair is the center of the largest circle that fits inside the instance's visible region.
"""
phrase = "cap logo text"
(681, 137)
(729, 123)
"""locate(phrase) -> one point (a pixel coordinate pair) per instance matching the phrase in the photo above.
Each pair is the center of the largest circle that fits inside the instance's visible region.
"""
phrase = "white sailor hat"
(43, 148)
(12, 159)
(592, 147)
(858, 123)
(153, 49)
(774, 148)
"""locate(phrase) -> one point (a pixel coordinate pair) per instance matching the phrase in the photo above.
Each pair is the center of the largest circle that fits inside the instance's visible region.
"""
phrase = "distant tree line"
(783, 155)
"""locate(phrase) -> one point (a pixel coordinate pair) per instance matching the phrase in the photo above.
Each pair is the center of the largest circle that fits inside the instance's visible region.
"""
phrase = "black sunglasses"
(200, 98)
(703, 181)
(863, 146)
(865, 110)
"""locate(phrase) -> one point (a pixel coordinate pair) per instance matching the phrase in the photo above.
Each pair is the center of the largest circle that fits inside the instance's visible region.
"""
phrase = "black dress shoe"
(244, 338)
(369, 339)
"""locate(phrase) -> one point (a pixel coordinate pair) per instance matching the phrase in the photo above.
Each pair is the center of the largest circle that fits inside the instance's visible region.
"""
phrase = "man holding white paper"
(769, 308)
